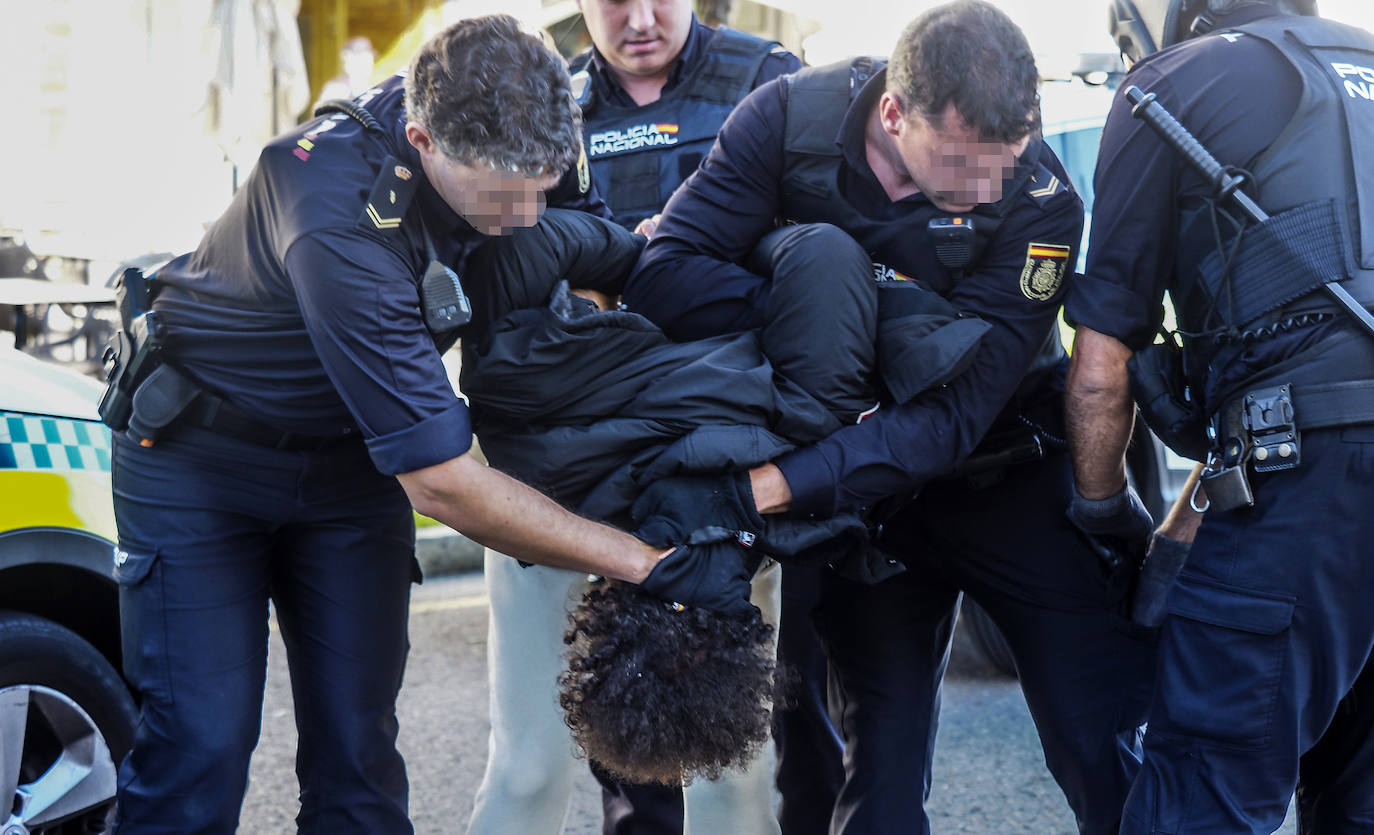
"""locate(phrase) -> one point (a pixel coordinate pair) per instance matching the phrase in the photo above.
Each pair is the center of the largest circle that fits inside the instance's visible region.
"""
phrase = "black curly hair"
(654, 693)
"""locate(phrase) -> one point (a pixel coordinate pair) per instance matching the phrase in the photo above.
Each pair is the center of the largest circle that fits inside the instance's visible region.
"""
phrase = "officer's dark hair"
(492, 94)
(970, 54)
(654, 694)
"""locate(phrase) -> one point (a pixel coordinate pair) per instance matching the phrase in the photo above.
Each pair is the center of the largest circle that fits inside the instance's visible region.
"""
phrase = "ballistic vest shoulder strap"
(817, 99)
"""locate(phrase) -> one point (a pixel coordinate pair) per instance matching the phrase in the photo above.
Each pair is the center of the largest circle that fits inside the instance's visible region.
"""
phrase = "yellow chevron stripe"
(382, 222)
(1049, 189)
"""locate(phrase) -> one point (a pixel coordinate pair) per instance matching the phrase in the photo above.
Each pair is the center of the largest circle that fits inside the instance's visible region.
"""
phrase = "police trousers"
(1084, 669)
(210, 530)
(1265, 652)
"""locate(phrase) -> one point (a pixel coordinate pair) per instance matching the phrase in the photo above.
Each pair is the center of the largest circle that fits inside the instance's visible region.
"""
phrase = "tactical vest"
(639, 155)
(817, 100)
(1317, 183)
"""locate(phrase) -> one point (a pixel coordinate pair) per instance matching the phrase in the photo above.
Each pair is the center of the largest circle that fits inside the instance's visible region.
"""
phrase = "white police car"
(66, 715)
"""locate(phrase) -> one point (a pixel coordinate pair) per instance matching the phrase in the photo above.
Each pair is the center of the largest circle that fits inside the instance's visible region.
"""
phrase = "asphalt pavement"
(989, 772)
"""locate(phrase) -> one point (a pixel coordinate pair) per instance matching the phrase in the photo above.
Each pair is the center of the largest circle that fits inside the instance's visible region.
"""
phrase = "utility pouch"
(1160, 389)
(158, 402)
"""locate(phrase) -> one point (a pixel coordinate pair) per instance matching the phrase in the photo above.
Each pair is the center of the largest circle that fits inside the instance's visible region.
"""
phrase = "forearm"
(1099, 413)
(508, 516)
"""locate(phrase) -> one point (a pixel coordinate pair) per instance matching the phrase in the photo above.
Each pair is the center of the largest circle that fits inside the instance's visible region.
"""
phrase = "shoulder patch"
(390, 197)
(1044, 185)
(1043, 274)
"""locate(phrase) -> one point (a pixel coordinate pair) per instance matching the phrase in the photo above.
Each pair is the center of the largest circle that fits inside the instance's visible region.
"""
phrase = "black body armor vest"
(639, 155)
(1317, 183)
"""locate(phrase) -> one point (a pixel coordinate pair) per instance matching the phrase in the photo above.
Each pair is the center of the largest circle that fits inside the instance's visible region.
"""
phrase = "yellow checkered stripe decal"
(50, 444)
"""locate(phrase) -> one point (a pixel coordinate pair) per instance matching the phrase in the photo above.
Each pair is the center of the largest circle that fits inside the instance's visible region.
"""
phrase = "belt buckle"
(1268, 417)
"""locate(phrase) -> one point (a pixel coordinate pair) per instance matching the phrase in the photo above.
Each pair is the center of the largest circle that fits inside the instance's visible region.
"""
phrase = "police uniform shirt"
(606, 88)
(690, 281)
(301, 304)
(1141, 183)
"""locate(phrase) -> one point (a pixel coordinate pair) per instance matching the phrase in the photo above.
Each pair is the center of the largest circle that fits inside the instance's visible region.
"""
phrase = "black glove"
(1163, 562)
(712, 576)
(1118, 527)
(671, 509)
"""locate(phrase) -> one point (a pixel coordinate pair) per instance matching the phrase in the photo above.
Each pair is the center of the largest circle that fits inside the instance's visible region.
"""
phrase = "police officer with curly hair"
(301, 411)
(1264, 675)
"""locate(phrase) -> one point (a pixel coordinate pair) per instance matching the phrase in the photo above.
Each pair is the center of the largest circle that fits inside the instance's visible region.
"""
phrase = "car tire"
(987, 638)
(63, 702)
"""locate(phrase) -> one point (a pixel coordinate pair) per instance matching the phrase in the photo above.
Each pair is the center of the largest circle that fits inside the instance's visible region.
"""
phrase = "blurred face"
(492, 202)
(949, 162)
(638, 37)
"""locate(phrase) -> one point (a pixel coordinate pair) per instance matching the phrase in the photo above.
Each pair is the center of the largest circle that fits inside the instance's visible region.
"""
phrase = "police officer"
(302, 410)
(1269, 624)
(933, 165)
(654, 89)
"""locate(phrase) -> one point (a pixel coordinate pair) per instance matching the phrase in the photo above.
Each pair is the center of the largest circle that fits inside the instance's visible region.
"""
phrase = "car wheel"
(987, 637)
(66, 720)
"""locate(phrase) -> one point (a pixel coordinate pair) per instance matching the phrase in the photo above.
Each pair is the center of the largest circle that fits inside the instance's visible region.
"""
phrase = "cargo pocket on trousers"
(1221, 672)
(143, 622)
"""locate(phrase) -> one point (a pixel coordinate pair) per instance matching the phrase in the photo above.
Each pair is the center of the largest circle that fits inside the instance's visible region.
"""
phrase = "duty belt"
(218, 415)
(1267, 421)
(1264, 428)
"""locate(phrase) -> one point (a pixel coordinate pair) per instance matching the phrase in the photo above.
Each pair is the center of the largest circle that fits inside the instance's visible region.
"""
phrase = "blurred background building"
(130, 122)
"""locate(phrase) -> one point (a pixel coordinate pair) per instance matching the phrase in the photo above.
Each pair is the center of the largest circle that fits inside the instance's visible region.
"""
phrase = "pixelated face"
(492, 202)
(951, 164)
(638, 37)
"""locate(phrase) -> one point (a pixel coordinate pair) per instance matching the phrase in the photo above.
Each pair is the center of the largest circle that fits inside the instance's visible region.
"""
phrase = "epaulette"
(1044, 185)
(390, 197)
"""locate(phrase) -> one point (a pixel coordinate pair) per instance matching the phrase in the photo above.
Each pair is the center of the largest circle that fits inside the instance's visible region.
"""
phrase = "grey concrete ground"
(989, 775)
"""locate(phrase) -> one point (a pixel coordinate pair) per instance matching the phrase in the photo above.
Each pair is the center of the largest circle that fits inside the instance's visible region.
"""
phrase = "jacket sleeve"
(901, 447)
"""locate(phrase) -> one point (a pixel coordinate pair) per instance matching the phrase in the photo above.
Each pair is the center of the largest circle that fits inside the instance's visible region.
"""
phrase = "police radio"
(954, 239)
(133, 352)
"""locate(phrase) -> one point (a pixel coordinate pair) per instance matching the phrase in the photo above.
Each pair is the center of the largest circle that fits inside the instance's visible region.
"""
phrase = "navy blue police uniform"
(795, 150)
(1270, 625)
(638, 155)
(298, 322)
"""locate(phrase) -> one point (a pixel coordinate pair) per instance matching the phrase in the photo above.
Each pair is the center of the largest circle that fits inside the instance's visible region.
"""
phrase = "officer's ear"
(419, 137)
(890, 113)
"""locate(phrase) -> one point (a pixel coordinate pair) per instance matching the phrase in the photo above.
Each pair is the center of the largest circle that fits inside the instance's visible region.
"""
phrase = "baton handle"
(1178, 137)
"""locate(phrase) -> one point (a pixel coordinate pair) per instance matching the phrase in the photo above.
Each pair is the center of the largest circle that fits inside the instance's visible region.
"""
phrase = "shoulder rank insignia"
(1043, 185)
(1043, 274)
(390, 196)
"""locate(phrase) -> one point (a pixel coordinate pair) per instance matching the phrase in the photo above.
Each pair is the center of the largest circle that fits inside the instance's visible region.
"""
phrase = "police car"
(66, 715)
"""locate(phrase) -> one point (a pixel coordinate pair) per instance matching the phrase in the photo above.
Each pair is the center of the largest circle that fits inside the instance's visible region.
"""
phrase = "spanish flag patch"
(1043, 274)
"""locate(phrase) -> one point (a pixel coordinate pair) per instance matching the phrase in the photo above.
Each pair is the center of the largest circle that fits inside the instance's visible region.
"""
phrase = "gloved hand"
(1118, 527)
(671, 509)
(1163, 562)
(713, 575)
